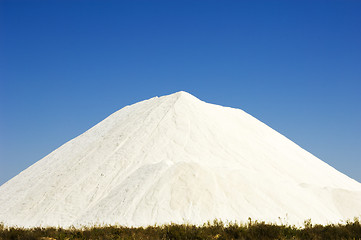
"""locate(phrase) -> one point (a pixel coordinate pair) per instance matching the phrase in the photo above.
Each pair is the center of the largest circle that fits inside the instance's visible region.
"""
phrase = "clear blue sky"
(66, 65)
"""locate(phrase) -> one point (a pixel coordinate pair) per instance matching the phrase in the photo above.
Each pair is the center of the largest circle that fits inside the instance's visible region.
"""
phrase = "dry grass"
(215, 230)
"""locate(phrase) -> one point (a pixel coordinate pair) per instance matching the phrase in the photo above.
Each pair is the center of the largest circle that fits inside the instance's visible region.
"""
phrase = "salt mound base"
(178, 159)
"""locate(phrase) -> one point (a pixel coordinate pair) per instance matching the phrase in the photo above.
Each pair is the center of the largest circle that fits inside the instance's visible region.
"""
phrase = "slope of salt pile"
(178, 159)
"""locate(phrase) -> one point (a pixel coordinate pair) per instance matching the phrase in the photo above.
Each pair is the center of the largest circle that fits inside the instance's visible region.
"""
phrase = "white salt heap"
(178, 159)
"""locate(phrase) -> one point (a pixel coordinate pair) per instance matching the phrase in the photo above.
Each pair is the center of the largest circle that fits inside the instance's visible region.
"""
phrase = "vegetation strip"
(215, 230)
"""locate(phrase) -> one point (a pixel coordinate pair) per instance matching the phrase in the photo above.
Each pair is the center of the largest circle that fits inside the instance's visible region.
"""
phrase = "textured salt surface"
(178, 159)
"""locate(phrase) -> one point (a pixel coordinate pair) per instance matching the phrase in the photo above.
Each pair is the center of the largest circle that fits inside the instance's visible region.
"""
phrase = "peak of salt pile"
(178, 159)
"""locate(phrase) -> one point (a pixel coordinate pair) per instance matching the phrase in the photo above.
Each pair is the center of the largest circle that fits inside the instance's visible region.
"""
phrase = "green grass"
(215, 230)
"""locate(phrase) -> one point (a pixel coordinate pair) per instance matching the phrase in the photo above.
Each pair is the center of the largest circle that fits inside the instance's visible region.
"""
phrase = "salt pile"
(178, 159)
